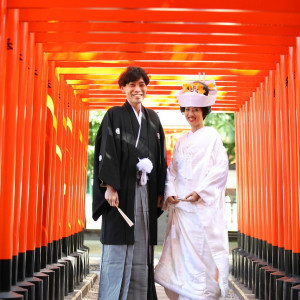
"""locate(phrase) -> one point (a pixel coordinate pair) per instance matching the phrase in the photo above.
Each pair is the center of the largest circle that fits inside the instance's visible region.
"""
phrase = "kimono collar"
(140, 116)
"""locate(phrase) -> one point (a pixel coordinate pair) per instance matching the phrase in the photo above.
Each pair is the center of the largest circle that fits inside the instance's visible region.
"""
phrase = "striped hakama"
(124, 273)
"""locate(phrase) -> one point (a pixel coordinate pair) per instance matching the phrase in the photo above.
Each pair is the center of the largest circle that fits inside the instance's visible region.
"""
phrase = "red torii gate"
(60, 59)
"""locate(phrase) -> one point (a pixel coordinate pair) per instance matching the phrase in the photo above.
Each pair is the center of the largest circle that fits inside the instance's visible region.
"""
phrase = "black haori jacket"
(115, 164)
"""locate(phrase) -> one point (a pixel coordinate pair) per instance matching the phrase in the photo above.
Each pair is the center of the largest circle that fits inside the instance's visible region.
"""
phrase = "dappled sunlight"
(184, 48)
(222, 93)
(187, 58)
(174, 93)
(73, 56)
(245, 72)
(92, 87)
(99, 71)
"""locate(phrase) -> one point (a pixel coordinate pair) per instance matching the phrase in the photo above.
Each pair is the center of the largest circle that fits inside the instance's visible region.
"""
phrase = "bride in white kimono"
(195, 262)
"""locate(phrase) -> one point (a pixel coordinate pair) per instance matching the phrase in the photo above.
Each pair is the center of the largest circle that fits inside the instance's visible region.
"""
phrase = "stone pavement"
(236, 292)
(93, 293)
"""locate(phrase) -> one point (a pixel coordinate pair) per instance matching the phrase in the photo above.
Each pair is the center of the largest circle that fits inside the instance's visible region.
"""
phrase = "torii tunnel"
(60, 59)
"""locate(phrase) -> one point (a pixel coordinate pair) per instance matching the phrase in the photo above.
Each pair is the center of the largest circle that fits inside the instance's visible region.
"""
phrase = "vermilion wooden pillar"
(260, 215)
(239, 175)
(263, 170)
(244, 185)
(252, 175)
(71, 179)
(256, 181)
(41, 187)
(272, 170)
(59, 188)
(47, 178)
(64, 205)
(45, 249)
(85, 162)
(75, 179)
(82, 181)
(34, 162)
(279, 177)
(245, 179)
(260, 196)
(2, 73)
(266, 139)
(240, 198)
(66, 221)
(78, 169)
(8, 165)
(81, 169)
(296, 247)
(294, 149)
(279, 191)
(249, 228)
(249, 206)
(46, 212)
(257, 212)
(63, 141)
(52, 141)
(26, 161)
(72, 200)
(22, 98)
(286, 163)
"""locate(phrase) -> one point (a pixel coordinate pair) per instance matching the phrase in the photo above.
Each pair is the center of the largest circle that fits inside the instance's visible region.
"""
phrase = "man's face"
(135, 91)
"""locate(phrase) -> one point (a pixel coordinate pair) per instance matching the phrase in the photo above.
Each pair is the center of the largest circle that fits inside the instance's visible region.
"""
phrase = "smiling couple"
(194, 260)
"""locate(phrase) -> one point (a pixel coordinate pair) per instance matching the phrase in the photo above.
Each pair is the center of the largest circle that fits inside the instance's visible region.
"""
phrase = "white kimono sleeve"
(211, 188)
(170, 189)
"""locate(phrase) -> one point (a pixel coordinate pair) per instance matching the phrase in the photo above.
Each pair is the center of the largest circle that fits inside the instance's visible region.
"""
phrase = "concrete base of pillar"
(38, 283)
(20, 290)
(11, 295)
(30, 287)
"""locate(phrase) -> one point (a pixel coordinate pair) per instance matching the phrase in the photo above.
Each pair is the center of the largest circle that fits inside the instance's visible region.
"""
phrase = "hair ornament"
(200, 93)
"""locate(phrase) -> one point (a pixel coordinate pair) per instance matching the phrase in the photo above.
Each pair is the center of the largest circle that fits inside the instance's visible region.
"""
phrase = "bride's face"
(194, 116)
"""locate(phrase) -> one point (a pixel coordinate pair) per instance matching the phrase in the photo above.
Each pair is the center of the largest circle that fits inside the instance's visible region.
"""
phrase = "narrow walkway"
(93, 293)
(95, 250)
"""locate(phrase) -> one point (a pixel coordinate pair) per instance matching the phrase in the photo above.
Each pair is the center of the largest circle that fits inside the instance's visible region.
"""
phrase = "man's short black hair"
(133, 74)
(205, 110)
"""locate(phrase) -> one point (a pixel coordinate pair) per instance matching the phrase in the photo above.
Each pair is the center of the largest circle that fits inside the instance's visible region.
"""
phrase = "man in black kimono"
(126, 135)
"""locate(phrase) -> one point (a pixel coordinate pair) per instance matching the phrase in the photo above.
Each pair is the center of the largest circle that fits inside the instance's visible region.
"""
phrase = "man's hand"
(111, 195)
(192, 197)
(160, 200)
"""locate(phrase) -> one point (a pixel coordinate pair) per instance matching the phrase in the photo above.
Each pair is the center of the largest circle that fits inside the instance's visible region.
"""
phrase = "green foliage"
(225, 124)
(95, 121)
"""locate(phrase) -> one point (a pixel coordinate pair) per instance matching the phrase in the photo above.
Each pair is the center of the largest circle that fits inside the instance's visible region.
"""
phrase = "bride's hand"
(192, 197)
(172, 200)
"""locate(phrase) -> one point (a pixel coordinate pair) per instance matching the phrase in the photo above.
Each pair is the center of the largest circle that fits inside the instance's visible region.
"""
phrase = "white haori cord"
(145, 166)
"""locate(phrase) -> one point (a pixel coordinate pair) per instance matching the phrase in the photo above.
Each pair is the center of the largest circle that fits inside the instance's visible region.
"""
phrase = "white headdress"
(198, 94)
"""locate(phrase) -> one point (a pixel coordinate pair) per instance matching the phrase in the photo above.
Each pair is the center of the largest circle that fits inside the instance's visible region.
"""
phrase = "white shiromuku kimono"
(195, 260)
